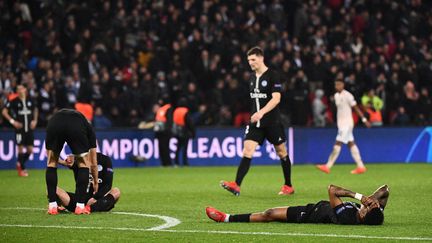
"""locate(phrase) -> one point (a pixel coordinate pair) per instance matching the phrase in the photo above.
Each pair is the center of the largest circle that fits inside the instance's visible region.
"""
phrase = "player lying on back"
(334, 211)
(105, 198)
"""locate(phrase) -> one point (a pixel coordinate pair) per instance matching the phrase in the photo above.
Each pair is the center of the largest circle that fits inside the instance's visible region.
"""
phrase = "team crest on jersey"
(28, 103)
(100, 168)
(264, 83)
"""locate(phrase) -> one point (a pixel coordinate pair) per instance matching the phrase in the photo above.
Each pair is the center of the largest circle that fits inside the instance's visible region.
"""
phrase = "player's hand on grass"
(256, 117)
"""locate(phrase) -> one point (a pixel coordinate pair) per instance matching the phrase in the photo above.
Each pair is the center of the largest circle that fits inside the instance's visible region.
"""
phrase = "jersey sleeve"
(352, 102)
(276, 82)
(346, 214)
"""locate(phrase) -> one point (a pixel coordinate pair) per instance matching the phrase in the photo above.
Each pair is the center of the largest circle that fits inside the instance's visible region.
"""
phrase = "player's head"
(255, 57)
(339, 85)
(22, 90)
(374, 216)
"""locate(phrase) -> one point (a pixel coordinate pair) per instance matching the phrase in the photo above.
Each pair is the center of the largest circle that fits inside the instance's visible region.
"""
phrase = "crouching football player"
(334, 211)
(104, 199)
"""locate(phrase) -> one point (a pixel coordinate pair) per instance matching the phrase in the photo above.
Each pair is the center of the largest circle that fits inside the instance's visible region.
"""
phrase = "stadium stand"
(123, 56)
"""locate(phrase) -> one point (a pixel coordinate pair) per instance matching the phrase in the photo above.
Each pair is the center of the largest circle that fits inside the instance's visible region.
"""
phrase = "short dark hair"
(25, 85)
(339, 80)
(256, 50)
(374, 217)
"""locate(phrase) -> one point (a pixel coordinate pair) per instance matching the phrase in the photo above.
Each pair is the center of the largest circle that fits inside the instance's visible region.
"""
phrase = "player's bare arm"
(276, 97)
(381, 194)
(336, 192)
(33, 123)
(361, 115)
(94, 168)
(16, 124)
(69, 161)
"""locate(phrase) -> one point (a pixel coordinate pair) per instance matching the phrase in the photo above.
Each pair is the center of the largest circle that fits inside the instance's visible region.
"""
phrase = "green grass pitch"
(183, 193)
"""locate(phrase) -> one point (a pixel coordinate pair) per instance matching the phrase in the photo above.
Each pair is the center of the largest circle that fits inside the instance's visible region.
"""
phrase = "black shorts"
(73, 130)
(72, 201)
(24, 138)
(274, 134)
(299, 214)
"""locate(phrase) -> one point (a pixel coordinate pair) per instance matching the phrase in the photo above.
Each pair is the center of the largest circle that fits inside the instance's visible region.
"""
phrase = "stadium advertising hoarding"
(224, 146)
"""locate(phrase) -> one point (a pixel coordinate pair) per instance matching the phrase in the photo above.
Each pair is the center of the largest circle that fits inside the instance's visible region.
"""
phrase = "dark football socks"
(24, 158)
(286, 167)
(239, 218)
(82, 182)
(20, 160)
(51, 182)
(242, 169)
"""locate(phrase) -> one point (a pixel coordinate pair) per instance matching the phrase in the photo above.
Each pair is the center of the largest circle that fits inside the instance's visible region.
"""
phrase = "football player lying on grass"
(105, 198)
(334, 211)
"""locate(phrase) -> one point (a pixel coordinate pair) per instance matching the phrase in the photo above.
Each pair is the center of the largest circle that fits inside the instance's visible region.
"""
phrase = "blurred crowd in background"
(122, 57)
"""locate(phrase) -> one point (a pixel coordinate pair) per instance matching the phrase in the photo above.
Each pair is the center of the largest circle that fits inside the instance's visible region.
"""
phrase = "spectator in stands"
(424, 107)
(401, 118)
(168, 45)
(100, 121)
(373, 105)
(319, 109)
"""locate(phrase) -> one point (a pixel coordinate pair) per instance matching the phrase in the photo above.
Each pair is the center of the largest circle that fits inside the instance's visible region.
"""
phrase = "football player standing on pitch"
(22, 114)
(344, 103)
(265, 92)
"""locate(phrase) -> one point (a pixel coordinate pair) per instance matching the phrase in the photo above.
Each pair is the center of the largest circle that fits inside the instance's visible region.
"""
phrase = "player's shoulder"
(347, 93)
(272, 72)
(15, 100)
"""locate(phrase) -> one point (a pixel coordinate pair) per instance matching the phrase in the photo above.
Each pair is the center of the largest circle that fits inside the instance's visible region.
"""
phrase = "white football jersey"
(344, 103)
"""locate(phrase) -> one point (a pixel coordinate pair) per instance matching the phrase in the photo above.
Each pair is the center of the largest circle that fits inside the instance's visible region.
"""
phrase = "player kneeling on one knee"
(101, 201)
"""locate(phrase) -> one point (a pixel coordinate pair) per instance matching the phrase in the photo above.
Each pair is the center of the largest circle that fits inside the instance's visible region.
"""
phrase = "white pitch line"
(303, 234)
(171, 222)
(223, 232)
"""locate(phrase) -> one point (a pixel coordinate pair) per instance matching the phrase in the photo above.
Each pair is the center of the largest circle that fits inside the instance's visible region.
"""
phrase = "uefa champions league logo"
(425, 132)
(271, 151)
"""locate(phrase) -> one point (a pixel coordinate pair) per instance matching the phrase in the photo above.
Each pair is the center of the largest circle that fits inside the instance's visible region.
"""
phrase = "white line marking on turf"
(302, 234)
(169, 221)
(174, 222)
(224, 232)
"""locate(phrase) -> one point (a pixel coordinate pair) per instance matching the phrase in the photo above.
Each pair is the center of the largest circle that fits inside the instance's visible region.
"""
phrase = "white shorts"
(345, 134)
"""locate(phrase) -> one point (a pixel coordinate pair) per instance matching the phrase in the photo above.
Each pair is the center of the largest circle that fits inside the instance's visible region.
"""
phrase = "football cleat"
(23, 173)
(215, 214)
(53, 211)
(231, 186)
(359, 170)
(18, 168)
(85, 210)
(323, 168)
(286, 190)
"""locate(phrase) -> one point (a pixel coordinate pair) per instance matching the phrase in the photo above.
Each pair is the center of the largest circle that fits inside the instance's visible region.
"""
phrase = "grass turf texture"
(183, 193)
